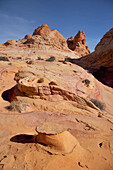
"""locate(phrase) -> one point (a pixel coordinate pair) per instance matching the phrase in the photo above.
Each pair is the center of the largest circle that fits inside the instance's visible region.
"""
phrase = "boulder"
(28, 36)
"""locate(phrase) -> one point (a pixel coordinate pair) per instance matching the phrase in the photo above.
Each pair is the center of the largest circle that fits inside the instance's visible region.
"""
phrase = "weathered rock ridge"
(49, 41)
(42, 39)
(43, 36)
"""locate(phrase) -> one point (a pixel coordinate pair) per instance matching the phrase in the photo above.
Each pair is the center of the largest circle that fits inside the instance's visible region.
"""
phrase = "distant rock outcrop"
(28, 36)
(100, 62)
(47, 40)
(42, 30)
(10, 42)
(42, 39)
(77, 44)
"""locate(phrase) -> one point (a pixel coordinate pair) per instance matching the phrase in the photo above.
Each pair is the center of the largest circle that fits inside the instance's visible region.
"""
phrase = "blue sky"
(21, 17)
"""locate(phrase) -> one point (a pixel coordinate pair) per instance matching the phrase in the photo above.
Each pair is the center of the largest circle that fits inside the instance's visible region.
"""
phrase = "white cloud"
(15, 18)
(14, 27)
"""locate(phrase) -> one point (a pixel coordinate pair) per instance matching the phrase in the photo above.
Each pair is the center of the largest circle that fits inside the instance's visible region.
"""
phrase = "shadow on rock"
(24, 138)
(9, 95)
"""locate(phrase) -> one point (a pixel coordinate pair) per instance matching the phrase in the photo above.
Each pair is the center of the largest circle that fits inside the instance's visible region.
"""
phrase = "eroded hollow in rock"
(100, 144)
(9, 95)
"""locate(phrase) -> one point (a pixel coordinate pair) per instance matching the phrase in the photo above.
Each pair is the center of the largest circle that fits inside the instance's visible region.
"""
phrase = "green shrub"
(4, 59)
(52, 58)
(86, 81)
(19, 58)
(41, 80)
(9, 63)
(29, 62)
(39, 58)
(98, 104)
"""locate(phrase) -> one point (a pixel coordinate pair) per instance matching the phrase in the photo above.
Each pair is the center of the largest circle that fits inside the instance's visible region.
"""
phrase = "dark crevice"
(80, 164)
(9, 95)
(100, 144)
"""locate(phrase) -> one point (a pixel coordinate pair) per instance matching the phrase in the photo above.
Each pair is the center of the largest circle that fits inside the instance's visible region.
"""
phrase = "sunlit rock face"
(49, 41)
(77, 44)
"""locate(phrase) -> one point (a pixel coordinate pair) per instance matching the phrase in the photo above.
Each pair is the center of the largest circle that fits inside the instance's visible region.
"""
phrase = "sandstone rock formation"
(56, 138)
(52, 89)
(51, 39)
(10, 42)
(28, 36)
(77, 44)
(105, 44)
(46, 41)
(42, 30)
(100, 62)
(51, 95)
(43, 39)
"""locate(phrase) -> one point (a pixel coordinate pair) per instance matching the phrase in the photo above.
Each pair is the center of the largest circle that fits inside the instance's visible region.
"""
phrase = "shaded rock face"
(105, 75)
(9, 95)
(106, 43)
(77, 44)
(100, 62)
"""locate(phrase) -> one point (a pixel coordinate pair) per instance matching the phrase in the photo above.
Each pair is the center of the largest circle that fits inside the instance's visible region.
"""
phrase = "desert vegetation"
(15, 106)
(52, 58)
(3, 58)
(41, 80)
(98, 104)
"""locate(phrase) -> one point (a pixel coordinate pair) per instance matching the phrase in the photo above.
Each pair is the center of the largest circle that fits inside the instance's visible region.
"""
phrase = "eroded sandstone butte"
(77, 44)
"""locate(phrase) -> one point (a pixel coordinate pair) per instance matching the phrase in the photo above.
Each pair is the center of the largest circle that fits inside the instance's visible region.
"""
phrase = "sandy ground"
(18, 147)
